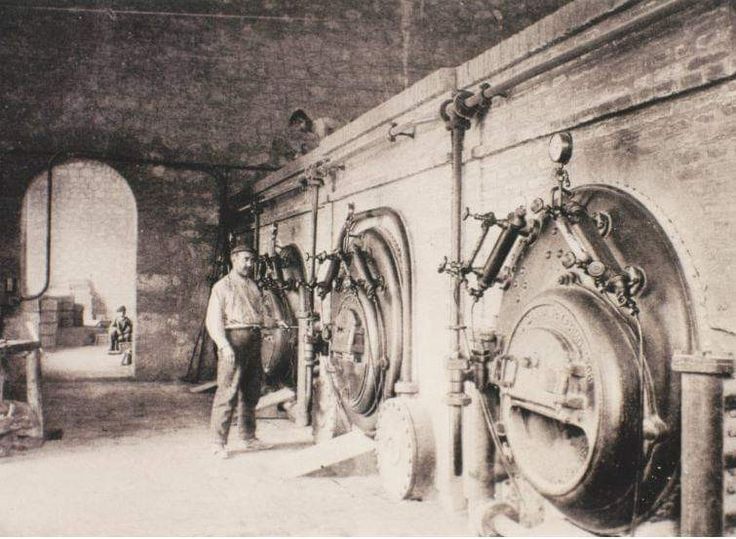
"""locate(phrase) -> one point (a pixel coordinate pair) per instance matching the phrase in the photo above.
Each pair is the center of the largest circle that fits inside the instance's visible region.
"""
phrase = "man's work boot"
(252, 444)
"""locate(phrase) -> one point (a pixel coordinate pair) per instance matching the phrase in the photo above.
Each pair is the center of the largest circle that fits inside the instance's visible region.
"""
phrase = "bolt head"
(596, 268)
(568, 260)
(537, 205)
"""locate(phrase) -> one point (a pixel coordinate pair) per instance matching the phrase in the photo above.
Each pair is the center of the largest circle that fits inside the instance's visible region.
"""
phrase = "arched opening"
(92, 268)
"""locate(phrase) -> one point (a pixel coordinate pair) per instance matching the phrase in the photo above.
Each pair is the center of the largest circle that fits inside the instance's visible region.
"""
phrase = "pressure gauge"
(560, 147)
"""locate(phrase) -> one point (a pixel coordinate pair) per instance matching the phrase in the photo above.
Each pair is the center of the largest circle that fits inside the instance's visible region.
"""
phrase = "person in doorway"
(234, 318)
(121, 330)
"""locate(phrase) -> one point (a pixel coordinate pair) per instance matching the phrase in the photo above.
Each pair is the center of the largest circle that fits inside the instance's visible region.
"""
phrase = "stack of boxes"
(48, 321)
(53, 313)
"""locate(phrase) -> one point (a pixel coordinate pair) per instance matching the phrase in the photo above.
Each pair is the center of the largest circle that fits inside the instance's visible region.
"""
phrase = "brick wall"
(218, 86)
(205, 81)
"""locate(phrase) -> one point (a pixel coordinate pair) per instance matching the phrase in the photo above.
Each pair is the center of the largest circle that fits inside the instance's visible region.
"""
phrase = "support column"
(702, 442)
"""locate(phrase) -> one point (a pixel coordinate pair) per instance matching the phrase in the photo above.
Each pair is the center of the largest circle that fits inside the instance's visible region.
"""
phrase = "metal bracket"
(405, 131)
(703, 363)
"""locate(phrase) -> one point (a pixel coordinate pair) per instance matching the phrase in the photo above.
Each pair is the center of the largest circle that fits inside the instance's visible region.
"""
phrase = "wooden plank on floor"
(345, 447)
(276, 397)
(201, 388)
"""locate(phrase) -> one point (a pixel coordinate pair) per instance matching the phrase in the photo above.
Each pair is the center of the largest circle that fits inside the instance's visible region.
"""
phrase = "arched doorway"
(92, 265)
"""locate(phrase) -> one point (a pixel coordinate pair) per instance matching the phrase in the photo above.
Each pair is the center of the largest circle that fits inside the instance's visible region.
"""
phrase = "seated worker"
(308, 132)
(121, 330)
(302, 136)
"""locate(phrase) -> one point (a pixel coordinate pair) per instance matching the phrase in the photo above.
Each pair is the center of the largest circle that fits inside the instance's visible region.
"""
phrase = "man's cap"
(121, 309)
(241, 245)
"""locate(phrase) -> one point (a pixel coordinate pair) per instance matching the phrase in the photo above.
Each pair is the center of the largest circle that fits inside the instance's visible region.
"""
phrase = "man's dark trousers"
(238, 386)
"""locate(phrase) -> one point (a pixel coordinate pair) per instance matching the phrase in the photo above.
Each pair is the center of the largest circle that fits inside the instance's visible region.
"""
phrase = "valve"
(584, 233)
(454, 268)
(486, 219)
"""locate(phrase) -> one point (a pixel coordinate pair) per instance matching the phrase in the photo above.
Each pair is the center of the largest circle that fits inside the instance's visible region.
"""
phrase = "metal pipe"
(301, 413)
(111, 158)
(456, 397)
(481, 454)
(305, 360)
(388, 220)
(49, 207)
(551, 61)
(397, 353)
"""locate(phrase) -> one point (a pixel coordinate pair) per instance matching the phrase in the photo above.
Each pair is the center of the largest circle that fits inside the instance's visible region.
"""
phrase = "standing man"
(234, 319)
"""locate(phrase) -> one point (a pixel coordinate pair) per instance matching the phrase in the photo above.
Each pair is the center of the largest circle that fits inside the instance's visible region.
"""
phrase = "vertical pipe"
(456, 397)
(256, 229)
(455, 385)
(479, 476)
(305, 355)
(702, 455)
(301, 412)
(33, 389)
(309, 334)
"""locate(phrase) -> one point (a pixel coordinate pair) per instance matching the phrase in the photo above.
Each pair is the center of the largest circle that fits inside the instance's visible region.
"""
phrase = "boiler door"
(570, 397)
(355, 353)
(569, 400)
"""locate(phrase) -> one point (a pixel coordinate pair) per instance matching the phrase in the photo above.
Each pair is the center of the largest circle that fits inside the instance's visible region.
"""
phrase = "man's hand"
(226, 354)
(282, 324)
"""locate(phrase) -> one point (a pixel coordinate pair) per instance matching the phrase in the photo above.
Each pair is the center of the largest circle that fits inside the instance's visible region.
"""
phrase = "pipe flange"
(457, 399)
(406, 388)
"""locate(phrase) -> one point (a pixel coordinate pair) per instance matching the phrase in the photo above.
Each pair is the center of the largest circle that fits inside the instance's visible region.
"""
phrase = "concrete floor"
(83, 362)
(134, 460)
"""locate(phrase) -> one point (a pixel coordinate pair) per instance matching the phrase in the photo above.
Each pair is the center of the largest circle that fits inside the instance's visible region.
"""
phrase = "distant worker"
(234, 319)
(320, 128)
(121, 330)
(302, 136)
